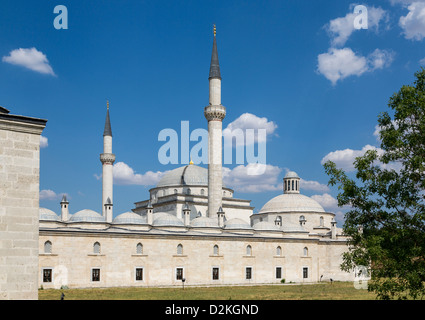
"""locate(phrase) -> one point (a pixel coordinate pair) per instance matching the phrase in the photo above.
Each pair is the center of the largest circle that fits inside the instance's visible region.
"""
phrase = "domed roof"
(166, 219)
(129, 218)
(292, 202)
(188, 175)
(236, 223)
(87, 215)
(264, 225)
(46, 214)
(291, 174)
(204, 222)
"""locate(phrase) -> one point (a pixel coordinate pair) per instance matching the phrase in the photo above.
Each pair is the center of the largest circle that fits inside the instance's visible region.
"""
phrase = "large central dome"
(188, 175)
(291, 203)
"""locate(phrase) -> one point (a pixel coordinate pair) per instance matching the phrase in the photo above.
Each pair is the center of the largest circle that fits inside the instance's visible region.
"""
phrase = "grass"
(319, 291)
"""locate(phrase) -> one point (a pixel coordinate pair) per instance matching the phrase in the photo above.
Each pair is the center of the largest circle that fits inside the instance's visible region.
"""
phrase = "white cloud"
(48, 194)
(413, 24)
(422, 62)
(340, 29)
(338, 64)
(125, 175)
(313, 185)
(242, 179)
(326, 201)
(43, 142)
(380, 59)
(29, 58)
(249, 121)
(344, 159)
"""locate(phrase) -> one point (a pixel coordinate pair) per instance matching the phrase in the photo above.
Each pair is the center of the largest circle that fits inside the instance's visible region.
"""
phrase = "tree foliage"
(385, 223)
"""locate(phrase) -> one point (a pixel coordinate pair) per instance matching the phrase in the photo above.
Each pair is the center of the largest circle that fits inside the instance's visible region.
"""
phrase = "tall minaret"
(107, 158)
(215, 114)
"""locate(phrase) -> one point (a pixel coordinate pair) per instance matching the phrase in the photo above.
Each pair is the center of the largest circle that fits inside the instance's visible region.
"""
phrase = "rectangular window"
(305, 272)
(139, 274)
(215, 273)
(248, 273)
(47, 275)
(278, 272)
(95, 274)
(179, 273)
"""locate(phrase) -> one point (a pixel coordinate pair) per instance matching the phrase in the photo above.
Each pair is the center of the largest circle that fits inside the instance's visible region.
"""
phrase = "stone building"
(191, 229)
(19, 205)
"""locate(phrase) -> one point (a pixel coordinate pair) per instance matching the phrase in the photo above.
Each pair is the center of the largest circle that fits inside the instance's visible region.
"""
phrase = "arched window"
(248, 250)
(179, 249)
(321, 221)
(47, 247)
(175, 191)
(224, 193)
(188, 191)
(96, 248)
(215, 250)
(278, 251)
(278, 221)
(305, 251)
(296, 185)
(139, 248)
(202, 192)
(292, 184)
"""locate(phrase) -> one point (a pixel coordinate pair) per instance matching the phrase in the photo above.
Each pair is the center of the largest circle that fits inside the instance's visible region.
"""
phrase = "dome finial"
(214, 30)
(191, 162)
(107, 104)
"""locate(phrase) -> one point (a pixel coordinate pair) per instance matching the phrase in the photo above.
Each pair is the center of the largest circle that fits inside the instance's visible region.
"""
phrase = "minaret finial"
(107, 104)
(214, 66)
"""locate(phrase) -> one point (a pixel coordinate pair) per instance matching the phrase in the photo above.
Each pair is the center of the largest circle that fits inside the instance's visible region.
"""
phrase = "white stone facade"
(19, 208)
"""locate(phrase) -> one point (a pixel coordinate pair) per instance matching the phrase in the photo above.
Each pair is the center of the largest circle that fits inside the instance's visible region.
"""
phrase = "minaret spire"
(215, 114)
(107, 158)
(214, 66)
(108, 130)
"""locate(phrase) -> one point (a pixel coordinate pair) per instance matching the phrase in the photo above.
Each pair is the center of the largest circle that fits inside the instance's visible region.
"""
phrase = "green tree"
(385, 223)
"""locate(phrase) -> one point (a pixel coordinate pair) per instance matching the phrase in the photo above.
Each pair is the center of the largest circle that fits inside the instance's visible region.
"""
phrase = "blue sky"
(317, 83)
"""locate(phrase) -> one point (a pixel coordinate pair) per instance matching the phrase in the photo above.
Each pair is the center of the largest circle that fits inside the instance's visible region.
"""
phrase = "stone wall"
(72, 259)
(19, 204)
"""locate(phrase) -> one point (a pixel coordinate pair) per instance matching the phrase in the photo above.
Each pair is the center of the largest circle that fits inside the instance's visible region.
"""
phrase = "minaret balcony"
(215, 112)
(107, 158)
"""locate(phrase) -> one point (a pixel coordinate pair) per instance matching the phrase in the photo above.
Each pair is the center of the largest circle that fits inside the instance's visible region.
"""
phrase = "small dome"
(291, 174)
(236, 223)
(166, 219)
(46, 214)
(204, 222)
(291, 203)
(264, 225)
(129, 218)
(87, 215)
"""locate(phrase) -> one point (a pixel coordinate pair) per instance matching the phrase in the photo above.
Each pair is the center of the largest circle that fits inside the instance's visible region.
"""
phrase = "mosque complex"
(191, 229)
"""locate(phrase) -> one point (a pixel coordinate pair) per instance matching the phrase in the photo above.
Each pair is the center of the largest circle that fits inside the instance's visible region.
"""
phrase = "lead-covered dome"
(47, 214)
(204, 222)
(236, 223)
(166, 219)
(129, 218)
(291, 202)
(87, 215)
(187, 175)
